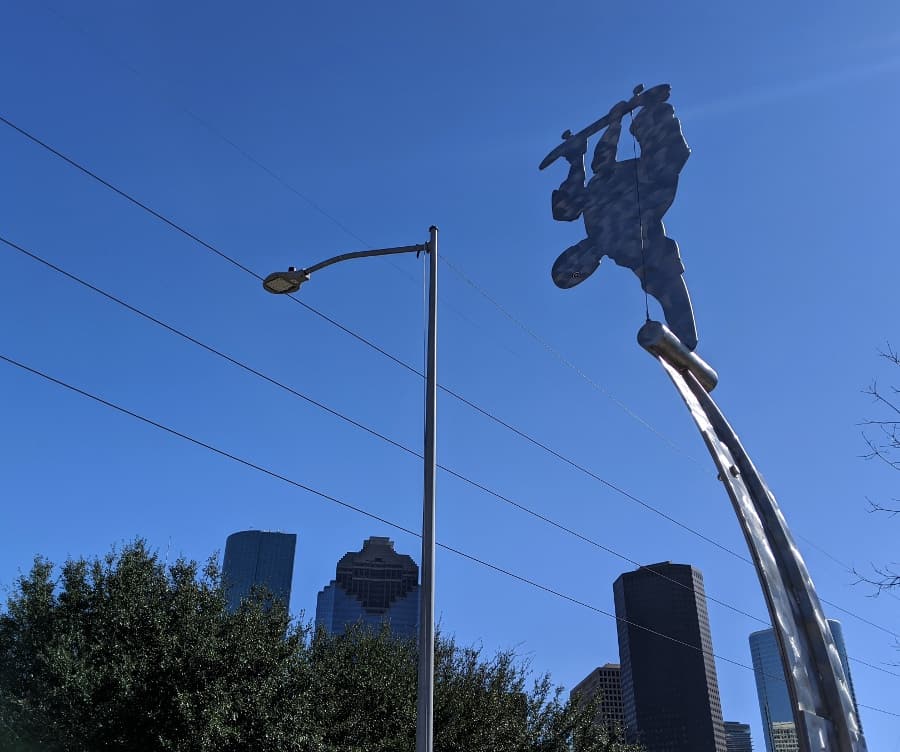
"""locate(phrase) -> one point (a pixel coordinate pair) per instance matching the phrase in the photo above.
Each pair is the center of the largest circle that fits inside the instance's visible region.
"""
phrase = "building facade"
(771, 688)
(373, 586)
(737, 737)
(606, 682)
(258, 558)
(670, 692)
(784, 737)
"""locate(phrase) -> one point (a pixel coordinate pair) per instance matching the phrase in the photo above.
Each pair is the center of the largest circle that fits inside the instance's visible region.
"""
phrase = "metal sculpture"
(824, 715)
(624, 202)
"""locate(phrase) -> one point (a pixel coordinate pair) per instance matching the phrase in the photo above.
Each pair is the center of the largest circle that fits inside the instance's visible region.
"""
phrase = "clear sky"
(286, 133)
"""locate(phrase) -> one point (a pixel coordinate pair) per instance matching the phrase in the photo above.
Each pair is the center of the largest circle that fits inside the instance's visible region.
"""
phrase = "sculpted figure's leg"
(662, 278)
(576, 264)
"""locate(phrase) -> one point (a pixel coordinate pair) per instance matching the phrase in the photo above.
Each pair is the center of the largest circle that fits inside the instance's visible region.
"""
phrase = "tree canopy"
(125, 652)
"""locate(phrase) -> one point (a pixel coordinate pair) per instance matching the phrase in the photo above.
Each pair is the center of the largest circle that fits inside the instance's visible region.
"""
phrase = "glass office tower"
(669, 686)
(373, 586)
(258, 557)
(771, 688)
(737, 737)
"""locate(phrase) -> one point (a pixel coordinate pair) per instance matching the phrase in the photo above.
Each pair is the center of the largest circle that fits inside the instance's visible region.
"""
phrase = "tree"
(123, 653)
(126, 653)
(882, 437)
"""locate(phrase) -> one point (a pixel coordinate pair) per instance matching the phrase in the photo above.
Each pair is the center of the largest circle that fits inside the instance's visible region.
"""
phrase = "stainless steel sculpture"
(624, 202)
(824, 715)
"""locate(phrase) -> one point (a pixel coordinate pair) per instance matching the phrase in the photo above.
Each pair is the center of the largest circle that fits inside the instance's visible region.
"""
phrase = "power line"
(846, 567)
(560, 357)
(501, 497)
(338, 223)
(281, 385)
(281, 180)
(371, 515)
(403, 364)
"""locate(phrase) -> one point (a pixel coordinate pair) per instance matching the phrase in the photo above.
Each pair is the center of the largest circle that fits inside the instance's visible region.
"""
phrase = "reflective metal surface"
(624, 202)
(824, 714)
(656, 338)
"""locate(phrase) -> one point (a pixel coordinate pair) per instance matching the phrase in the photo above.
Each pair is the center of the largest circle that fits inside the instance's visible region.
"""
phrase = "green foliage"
(126, 653)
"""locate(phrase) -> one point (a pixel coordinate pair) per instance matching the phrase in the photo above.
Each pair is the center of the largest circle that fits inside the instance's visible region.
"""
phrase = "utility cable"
(403, 364)
(562, 358)
(294, 190)
(475, 484)
(843, 565)
(371, 515)
(337, 414)
(338, 223)
(234, 262)
(640, 217)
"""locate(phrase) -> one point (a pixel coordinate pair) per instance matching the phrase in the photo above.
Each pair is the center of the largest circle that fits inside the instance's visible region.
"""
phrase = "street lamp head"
(285, 283)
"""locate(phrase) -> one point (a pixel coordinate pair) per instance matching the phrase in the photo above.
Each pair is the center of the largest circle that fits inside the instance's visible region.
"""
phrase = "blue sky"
(373, 122)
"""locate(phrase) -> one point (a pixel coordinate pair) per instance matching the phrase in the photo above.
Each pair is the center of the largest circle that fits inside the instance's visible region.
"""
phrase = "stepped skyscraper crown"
(373, 586)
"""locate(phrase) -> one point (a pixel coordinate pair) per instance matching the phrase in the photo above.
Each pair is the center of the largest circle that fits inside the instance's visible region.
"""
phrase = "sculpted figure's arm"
(568, 201)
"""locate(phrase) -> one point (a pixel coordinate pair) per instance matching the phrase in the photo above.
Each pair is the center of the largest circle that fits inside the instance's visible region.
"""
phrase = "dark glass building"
(737, 737)
(257, 557)
(771, 688)
(606, 682)
(669, 689)
(373, 586)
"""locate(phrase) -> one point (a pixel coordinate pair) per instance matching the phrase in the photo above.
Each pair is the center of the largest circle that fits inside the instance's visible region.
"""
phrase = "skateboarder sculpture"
(624, 202)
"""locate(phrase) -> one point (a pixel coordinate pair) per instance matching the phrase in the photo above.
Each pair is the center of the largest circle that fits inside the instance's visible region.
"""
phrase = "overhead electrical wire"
(371, 515)
(398, 361)
(307, 199)
(501, 497)
(234, 262)
(465, 278)
(345, 228)
(351, 421)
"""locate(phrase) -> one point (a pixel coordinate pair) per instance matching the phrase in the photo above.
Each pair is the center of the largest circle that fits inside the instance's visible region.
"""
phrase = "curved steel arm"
(360, 254)
(824, 713)
(286, 283)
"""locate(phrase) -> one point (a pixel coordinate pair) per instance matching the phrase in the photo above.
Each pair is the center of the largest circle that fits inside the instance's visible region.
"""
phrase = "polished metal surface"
(824, 714)
(660, 341)
(624, 202)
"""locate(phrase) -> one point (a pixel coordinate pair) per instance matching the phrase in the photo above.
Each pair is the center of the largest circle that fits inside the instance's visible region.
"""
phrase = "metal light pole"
(289, 282)
(425, 686)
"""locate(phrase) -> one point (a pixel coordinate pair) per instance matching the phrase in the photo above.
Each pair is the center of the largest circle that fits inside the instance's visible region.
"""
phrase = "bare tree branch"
(887, 580)
(890, 511)
(883, 440)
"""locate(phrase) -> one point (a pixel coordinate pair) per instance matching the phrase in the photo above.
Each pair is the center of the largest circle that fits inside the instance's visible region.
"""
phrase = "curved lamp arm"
(281, 283)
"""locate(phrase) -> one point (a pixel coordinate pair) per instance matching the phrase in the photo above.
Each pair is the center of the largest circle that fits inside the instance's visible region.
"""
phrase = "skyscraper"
(372, 586)
(737, 737)
(784, 737)
(771, 688)
(258, 557)
(606, 681)
(669, 689)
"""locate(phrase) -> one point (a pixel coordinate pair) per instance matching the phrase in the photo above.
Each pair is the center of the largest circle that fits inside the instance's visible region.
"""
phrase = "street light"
(288, 282)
